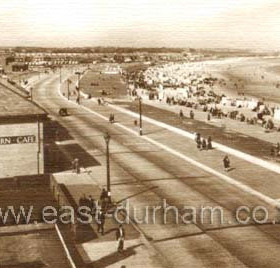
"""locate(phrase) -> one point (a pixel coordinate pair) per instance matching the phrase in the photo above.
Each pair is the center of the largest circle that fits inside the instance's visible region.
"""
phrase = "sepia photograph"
(139, 134)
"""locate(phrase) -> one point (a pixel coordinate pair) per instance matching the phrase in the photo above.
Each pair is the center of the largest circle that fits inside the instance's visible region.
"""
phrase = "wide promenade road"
(163, 165)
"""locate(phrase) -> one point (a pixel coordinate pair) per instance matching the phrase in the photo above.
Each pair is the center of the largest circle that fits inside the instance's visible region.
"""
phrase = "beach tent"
(161, 95)
(252, 104)
(226, 101)
(239, 103)
(277, 114)
(262, 108)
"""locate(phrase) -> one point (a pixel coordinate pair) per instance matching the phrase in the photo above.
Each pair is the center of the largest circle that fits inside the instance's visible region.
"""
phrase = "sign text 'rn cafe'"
(17, 140)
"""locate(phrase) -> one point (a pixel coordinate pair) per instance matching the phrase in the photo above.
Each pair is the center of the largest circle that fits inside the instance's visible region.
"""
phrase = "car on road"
(63, 112)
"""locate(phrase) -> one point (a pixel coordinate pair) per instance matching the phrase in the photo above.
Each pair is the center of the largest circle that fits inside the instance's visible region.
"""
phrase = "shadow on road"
(58, 157)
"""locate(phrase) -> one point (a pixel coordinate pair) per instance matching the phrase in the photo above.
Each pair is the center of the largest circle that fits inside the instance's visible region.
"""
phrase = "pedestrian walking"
(92, 205)
(104, 194)
(104, 199)
(78, 99)
(181, 114)
(76, 166)
(198, 140)
(226, 162)
(198, 144)
(100, 222)
(197, 136)
(135, 123)
(120, 236)
(111, 118)
(209, 143)
(73, 166)
(99, 101)
(191, 114)
(204, 145)
(208, 117)
(83, 201)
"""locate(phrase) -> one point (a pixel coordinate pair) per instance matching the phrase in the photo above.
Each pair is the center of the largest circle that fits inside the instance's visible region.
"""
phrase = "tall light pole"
(60, 73)
(68, 91)
(107, 138)
(140, 116)
(31, 93)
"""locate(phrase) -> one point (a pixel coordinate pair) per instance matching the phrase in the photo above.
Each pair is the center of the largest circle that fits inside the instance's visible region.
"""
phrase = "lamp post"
(68, 91)
(31, 93)
(140, 117)
(60, 74)
(107, 138)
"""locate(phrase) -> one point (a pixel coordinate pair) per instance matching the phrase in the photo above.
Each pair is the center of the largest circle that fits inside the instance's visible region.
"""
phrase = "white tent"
(277, 114)
(252, 104)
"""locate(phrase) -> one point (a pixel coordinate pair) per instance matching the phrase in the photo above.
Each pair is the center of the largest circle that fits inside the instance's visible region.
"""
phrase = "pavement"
(99, 250)
(147, 174)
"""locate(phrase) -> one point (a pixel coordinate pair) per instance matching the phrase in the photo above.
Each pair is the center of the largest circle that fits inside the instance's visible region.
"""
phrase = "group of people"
(101, 101)
(181, 114)
(203, 144)
(98, 209)
(88, 202)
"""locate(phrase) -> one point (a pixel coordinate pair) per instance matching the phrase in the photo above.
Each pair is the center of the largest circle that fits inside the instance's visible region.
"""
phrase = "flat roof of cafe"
(14, 105)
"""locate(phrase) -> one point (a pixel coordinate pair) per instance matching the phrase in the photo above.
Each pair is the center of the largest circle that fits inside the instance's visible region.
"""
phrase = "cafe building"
(21, 135)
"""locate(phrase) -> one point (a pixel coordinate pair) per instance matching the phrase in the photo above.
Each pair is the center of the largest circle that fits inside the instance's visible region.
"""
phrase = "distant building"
(5, 58)
(19, 67)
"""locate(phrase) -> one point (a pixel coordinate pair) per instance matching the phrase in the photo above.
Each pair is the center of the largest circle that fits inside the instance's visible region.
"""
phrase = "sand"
(255, 77)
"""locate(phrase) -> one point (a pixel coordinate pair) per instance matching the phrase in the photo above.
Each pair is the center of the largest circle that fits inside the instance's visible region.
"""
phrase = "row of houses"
(10, 62)
(20, 61)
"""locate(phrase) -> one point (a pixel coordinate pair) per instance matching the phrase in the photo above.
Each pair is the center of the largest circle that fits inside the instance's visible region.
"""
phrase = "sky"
(239, 24)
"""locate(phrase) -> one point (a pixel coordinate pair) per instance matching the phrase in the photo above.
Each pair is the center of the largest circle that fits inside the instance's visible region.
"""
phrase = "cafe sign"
(18, 140)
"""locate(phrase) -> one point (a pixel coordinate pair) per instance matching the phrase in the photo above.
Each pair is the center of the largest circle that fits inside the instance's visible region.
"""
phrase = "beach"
(254, 77)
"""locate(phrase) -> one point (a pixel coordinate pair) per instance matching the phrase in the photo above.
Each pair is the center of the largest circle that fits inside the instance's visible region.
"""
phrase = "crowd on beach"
(189, 85)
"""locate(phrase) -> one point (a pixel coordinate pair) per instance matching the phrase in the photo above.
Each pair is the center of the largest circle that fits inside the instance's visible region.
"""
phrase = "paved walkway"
(101, 250)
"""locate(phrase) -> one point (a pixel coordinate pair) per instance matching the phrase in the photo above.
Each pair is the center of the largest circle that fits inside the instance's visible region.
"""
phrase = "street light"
(68, 91)
(107, 138)
(31, 93)
(140, 116)
(60, 74)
